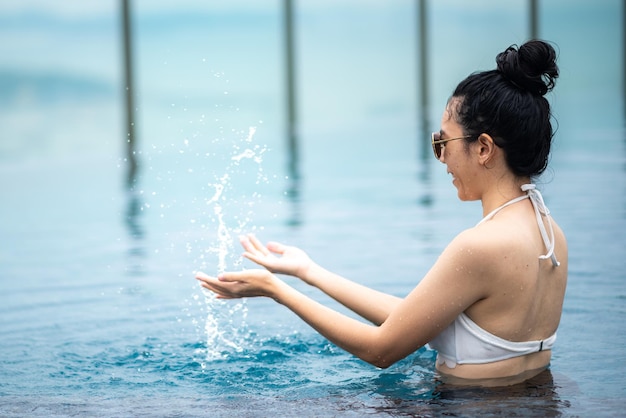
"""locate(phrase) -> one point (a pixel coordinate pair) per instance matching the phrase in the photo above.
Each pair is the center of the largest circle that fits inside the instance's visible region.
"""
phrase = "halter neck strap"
(541, 211)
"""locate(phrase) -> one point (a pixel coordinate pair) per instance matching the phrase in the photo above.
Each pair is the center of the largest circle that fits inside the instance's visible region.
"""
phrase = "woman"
(492, 302)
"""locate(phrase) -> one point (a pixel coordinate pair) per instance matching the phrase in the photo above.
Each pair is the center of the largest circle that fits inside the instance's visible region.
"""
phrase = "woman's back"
(527, 292)
(522, 304)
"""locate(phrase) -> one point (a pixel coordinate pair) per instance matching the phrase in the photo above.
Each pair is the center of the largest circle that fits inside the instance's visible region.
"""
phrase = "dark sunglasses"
(437, 142)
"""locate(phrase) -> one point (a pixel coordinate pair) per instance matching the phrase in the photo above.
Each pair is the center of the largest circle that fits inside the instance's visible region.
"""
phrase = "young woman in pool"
(492, 302)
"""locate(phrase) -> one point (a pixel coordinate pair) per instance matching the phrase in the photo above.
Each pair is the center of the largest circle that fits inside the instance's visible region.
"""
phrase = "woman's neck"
(501, 192)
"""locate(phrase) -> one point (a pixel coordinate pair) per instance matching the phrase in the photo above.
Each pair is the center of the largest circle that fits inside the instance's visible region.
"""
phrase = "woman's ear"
(486, 148)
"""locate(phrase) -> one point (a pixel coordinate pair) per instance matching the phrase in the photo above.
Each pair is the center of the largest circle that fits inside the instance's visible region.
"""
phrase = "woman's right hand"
(276, 257)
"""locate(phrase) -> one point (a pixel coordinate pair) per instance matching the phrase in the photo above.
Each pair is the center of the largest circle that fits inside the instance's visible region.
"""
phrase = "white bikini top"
(464, 342)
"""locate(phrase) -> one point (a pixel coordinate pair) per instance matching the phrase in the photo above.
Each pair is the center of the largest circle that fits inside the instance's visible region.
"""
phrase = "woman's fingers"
(234, 276)
(240, 284)
(256, 257)
(257, 244)
(222, 278)
(276, 247)
(221, 285)
(255, 251)
(207, 281)
(202, 276)
(246, 244)
(252, 245)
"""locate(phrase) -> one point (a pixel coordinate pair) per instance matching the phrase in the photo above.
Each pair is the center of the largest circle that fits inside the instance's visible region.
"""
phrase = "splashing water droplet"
(251, 132)
(231, 214)
(248, 153)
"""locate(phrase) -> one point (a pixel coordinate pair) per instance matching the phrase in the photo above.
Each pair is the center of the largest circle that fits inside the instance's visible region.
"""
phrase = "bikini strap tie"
(541, 211)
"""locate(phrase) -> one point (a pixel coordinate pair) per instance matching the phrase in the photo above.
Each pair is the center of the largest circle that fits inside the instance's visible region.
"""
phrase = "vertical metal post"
(424, 95)
(129, 92)
(424, 102)
(292, 139)
(534, 19)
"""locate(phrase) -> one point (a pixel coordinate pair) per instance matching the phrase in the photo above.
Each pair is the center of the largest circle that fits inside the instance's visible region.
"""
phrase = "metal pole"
(534, 19)
(424, 102)
(423, 73)
(292, 139)
(129, 92)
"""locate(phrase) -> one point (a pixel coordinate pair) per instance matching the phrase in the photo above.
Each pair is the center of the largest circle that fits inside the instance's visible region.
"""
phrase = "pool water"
(100, 314)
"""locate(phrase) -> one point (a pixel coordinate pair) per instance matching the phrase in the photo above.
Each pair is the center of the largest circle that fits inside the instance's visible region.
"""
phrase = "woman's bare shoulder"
(479, 251)
(482, 240)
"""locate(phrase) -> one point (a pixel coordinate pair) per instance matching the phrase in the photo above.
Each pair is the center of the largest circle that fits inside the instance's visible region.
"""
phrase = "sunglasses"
(438, 143)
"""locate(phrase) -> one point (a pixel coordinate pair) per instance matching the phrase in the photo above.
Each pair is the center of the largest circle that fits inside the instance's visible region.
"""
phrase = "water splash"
(233, 213)
(224, 237)
(225, 327)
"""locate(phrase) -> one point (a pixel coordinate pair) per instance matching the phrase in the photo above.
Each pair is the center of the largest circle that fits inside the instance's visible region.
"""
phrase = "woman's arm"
(348, 333)
(370, 304)
(455, 282)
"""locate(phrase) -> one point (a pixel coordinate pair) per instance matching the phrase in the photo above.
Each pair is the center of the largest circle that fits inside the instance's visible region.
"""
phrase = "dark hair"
(508, 104)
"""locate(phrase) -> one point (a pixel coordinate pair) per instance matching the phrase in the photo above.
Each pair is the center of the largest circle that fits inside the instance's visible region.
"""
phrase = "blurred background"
(139, 137)
(356, 65)
(319, 82)
(127, 114)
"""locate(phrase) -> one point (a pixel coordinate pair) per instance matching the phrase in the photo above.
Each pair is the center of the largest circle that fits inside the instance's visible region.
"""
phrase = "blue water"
(99, 311)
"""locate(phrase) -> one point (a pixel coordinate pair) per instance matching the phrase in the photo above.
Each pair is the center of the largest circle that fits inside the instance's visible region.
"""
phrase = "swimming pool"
(100, 314)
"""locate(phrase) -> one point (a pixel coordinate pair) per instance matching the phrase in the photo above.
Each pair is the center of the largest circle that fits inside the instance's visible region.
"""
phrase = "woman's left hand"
(241, 284)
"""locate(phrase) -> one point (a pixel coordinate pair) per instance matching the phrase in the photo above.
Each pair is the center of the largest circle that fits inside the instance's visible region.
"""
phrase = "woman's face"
(457, 157)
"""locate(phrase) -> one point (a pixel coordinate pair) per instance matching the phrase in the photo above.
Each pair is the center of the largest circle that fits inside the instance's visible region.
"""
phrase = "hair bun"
(532, 67)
